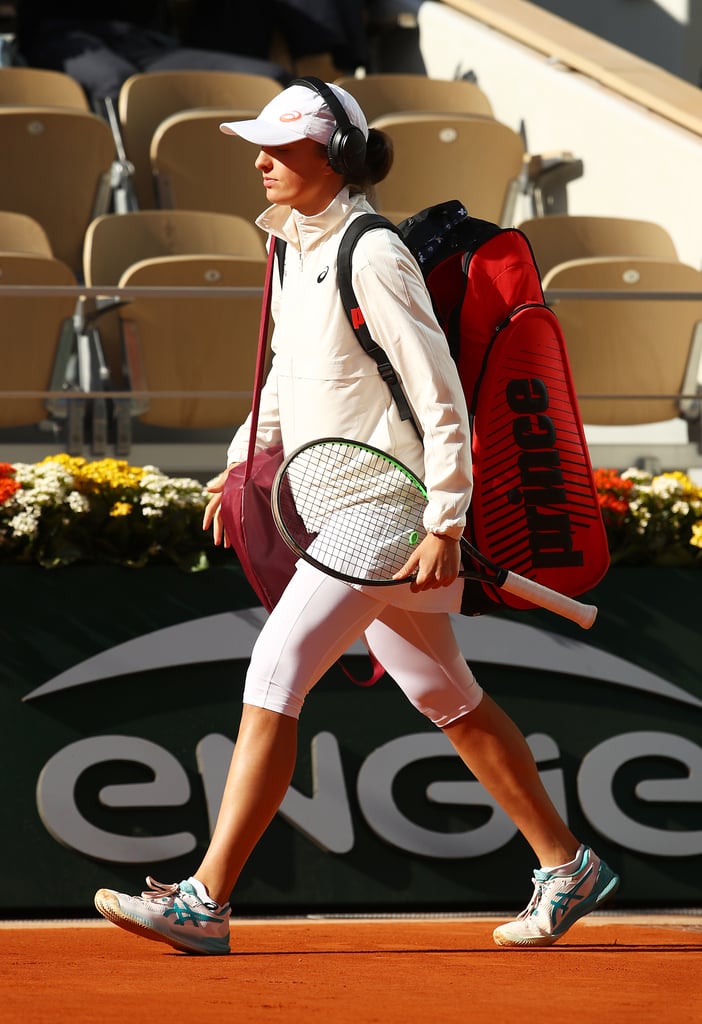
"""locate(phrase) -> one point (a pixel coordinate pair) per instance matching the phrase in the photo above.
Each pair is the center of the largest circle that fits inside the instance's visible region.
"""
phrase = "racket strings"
(353, 511)
(356, 513)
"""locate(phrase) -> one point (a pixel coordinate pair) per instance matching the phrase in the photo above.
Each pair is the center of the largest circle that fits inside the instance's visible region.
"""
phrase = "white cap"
(297, 113)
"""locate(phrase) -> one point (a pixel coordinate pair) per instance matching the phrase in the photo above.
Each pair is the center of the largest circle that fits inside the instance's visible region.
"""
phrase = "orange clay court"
(609, 969)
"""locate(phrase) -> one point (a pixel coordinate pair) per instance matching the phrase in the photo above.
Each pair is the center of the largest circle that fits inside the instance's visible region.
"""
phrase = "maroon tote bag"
(267, 561)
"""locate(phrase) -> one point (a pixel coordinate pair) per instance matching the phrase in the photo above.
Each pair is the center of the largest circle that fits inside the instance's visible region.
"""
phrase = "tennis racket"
(356, 513)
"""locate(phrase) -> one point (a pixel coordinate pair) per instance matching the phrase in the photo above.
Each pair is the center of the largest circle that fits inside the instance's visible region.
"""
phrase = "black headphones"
(347, 146)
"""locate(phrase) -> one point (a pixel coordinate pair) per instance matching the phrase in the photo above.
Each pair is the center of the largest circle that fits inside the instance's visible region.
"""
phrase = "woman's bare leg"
(421, 653)
(315, 621)
(494, 749)
(259, 775)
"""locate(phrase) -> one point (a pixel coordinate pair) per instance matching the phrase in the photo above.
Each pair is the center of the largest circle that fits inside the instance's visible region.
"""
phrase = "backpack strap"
(280, 245)
(356, 229)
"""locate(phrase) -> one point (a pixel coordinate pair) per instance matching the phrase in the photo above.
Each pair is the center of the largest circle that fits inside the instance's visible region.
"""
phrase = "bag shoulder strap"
(279, 247)
(260, 361)
(356, 229)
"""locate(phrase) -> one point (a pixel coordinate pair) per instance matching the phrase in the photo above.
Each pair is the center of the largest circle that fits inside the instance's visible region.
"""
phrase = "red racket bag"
(535, 507)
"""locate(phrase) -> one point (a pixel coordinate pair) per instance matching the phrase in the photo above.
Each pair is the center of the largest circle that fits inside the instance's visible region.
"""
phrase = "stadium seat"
(114, 242)
(394, 93)
(196, 167)
(147, 99)
(190, 360)
(21, 233)
(634, 360)
(38, 87)
(55, 167)
(475, 159)
(558, 238)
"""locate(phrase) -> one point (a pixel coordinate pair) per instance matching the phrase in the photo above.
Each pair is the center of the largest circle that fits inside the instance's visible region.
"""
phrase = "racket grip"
(582, 614)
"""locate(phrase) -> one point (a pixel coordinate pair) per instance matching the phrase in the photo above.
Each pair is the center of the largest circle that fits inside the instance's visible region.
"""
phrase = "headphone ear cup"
(347, 150)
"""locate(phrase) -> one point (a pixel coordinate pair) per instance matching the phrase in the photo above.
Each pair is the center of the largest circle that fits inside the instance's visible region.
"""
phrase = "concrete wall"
(637, 163)
(666, 32)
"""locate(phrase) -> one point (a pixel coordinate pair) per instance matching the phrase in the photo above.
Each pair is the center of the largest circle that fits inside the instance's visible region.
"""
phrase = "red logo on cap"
(292, 115)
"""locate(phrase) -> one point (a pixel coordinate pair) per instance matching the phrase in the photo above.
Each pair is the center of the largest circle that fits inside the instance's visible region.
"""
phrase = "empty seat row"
(195, 166)
(75, 345)
(557, 238)
(59, 167)
(189, 359)
(167, 141)
(147, 99)
(63, 162)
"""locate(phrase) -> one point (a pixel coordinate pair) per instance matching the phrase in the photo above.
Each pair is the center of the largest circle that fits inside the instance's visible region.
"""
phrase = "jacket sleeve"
(397, 308)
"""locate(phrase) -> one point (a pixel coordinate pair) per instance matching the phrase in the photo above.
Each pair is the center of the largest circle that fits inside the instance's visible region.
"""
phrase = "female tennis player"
(318, 162)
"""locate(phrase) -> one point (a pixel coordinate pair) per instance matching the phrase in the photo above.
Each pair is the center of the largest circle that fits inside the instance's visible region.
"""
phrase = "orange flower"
(8, 485)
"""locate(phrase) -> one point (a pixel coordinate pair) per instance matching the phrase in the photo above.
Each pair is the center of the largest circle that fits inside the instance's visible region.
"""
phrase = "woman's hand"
(213, 511)
(436, 561)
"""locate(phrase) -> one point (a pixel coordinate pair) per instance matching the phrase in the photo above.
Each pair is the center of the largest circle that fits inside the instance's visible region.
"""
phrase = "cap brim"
(263, 133)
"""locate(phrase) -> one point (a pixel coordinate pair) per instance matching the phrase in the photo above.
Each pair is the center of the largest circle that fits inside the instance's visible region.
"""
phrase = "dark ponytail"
(379, 157)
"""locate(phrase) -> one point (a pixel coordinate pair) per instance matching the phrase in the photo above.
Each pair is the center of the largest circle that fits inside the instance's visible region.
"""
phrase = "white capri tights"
(316, 621)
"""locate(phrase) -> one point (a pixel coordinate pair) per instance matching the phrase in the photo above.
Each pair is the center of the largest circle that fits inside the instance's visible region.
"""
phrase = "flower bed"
(66, 510)
(651, 520)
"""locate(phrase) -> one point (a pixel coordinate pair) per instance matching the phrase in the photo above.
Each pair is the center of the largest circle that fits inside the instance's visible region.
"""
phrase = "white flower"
(46, 484)
(25, 523)
(637, 476)
(665, 487)
(78, 502)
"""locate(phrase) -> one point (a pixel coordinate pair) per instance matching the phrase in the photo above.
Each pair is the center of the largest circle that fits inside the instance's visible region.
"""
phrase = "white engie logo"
(326, 816)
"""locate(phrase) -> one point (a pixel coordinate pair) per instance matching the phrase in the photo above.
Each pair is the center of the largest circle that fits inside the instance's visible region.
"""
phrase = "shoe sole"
(527, 942)
(105, 905)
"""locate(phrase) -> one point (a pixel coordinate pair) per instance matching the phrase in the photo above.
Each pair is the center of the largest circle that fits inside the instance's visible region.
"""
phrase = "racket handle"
(582, 614)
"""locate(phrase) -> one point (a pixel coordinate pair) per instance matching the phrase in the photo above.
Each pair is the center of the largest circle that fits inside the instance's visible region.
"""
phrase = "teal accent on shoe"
(189, 941)
(562, 902)
(606, 884)
(184, 915)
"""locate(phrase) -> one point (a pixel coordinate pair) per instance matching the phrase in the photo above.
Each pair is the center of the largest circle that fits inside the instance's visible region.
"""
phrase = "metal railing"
(115, 297)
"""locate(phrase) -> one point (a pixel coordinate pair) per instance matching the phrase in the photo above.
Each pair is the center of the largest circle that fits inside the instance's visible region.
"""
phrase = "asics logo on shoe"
(562, 900)
(185, 915)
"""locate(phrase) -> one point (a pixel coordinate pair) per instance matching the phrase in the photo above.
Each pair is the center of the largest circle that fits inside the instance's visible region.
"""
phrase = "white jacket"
(322, 383)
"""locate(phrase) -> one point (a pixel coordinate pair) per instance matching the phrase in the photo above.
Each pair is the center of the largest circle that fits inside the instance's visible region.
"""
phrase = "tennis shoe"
(559, 901)
(181, 915)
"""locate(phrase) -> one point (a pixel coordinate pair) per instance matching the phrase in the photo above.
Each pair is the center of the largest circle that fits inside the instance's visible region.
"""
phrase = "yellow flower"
(696, 538)
(72, 463)
(687, 485)
(121, 508)
(104, 474)
(114, 473)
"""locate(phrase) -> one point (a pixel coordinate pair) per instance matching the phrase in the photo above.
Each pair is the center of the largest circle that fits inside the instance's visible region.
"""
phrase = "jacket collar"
(306, 233)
